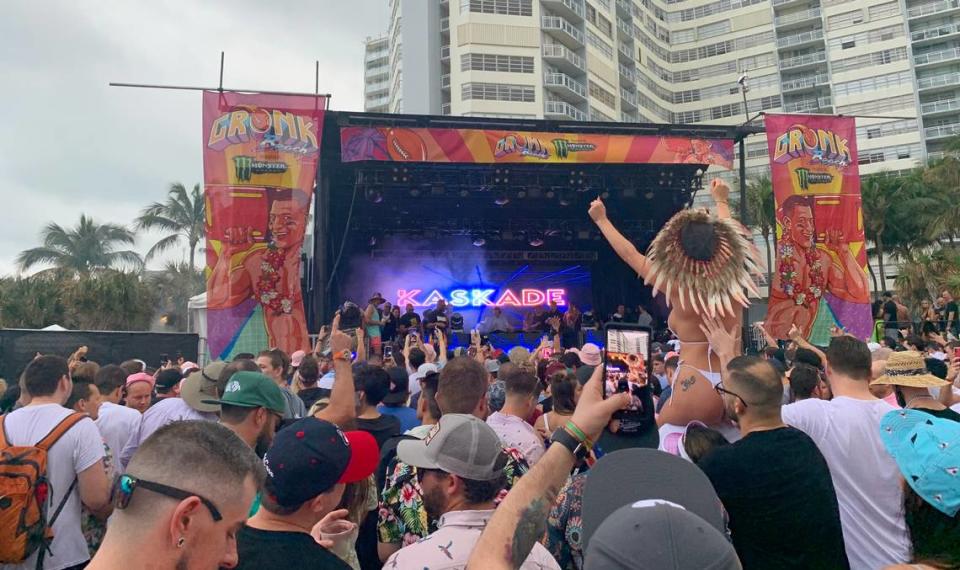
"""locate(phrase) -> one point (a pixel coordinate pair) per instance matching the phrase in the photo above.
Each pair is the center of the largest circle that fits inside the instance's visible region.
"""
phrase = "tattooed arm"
(521, 519)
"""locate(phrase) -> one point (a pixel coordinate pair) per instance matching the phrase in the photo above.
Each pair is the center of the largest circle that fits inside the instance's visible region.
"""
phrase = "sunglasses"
(127, 484)
(422, 473)
(721, 390)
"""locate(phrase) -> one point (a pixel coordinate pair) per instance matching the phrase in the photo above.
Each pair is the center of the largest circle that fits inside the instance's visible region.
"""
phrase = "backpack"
(24, 492)
(388, 453)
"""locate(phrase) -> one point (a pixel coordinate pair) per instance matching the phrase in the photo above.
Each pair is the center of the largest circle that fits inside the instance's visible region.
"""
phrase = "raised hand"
(593, 412)
(720, 191)
(597, 211)
(722, 341)
(340, 341)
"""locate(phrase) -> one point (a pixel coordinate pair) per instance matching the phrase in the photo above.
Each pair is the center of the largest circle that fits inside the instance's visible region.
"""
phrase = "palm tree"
(181, 216)
(944, 176)
(761, 212)
(89, 247)
(876, 193)
(174, 286)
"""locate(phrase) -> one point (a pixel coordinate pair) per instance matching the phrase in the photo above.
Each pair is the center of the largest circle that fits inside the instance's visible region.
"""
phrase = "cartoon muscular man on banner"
(805, 273)
(270, 274)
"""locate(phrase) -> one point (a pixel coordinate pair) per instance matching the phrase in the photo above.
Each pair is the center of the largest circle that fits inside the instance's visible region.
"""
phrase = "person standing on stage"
(495, 322)
(409, 322)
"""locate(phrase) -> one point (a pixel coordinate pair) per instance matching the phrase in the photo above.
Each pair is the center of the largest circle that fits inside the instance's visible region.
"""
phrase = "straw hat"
(907, 368)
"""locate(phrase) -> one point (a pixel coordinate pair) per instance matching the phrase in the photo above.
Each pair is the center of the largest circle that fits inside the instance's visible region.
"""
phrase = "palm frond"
(163, 245)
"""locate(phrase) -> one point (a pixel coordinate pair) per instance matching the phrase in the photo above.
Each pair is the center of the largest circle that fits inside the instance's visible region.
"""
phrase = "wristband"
(578, 433)
(576, 447)
(344, 355)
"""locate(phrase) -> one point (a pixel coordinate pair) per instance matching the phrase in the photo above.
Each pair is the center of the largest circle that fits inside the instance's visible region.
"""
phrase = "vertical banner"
(260, 156)
(820, 279)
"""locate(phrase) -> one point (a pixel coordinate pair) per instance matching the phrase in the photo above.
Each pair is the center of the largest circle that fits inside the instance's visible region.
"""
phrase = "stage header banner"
(820, 277)
(495, 147)
(260, 156)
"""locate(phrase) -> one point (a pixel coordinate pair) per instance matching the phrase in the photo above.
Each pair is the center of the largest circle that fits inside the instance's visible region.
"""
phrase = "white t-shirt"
(116, 425)
(75, 452)
(866, 478)
(517, 433)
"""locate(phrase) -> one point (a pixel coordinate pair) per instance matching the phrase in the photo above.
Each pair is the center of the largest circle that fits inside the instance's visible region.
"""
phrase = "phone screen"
(626, 356)
(388, 351)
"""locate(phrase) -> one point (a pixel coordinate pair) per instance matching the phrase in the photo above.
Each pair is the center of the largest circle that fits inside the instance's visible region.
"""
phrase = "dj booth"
(529, 340)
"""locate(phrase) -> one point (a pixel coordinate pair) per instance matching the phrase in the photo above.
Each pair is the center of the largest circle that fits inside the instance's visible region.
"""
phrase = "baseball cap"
(630, 475)
(423, 370)
(296, 358)
(927, 451)
(201, 385)
(167, 379)
(492, 366)
(661, 535)
(140, 377)
(251, 390)
(590, 354)
(461, 444)
(399, 387)
(310, 456)
(497, 395)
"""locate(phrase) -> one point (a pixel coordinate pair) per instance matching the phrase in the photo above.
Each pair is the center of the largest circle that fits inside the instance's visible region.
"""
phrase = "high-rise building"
(896, 63)
(376, 75)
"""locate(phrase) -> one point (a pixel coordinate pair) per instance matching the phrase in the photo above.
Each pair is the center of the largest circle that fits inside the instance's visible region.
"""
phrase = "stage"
(484, 212)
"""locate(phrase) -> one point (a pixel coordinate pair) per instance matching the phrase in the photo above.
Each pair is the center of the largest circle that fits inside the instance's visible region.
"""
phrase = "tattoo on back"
(685, 384)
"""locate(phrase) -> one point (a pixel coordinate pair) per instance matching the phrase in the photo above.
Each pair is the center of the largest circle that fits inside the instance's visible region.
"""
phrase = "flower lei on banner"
(267, 294)
(788, 274)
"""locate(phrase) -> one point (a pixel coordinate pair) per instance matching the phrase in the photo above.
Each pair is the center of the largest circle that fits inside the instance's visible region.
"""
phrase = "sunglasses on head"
(127, 484)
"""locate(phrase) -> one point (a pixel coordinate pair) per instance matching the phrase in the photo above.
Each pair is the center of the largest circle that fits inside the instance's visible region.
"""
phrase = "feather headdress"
(709, 287)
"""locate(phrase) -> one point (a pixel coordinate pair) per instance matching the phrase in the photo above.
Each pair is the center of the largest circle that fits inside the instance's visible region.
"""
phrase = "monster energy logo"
(805, 178)
(564, 147)
(247, 166)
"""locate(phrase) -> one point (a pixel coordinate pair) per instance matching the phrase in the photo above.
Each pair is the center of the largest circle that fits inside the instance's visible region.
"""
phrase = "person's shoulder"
(540, 557)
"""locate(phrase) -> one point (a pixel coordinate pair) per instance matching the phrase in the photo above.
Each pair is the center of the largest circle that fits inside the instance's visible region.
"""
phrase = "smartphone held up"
(626, 361)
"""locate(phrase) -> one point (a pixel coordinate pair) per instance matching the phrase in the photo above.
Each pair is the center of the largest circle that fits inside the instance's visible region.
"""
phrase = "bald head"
(757, 382)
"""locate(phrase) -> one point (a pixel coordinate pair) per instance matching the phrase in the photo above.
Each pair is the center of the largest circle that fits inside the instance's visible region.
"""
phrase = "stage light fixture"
(479, 241)
(583, 234)
(372, 241)
(501, 199)
(415, 192)
(534, 191)
(521, 194)
(605, 194)
(464, 192)
(567, 197)
(536, 241)
(629, 192)
(507, 235)
(649, 195)
(551, 194)
(373, 194)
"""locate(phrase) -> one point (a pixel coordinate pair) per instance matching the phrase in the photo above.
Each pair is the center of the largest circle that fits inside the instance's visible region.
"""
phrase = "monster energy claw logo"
(564, 147)
(247, 166)
(805, 178)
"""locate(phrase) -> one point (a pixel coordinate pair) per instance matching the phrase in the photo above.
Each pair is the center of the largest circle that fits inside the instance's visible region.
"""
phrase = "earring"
(180, 542)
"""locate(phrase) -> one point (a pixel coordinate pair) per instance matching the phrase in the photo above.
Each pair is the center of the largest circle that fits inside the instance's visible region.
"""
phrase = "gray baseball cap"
(461, 444)
(658, 535)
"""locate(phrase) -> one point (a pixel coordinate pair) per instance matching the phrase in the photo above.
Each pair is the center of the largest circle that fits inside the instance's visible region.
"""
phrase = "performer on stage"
(701, 262)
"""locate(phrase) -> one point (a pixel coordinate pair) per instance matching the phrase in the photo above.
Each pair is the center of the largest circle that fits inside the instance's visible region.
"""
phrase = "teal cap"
(252, 390)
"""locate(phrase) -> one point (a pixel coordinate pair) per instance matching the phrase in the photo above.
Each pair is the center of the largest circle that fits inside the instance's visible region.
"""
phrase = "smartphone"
(626, 361)
(388, 351)
(164, 360)
(956, 352)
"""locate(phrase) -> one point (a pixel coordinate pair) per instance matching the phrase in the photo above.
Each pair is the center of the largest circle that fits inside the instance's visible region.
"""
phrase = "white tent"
(197, 322)
(53, 328)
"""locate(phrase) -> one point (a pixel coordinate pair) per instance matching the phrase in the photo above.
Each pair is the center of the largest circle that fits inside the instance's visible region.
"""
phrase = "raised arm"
(342, 409)
(797, 337)
(521, 519)
(720, 191)
(620, 244)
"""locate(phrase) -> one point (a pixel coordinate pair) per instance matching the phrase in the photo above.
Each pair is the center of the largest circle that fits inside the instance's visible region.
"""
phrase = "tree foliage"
(174, 286)
(182, 217)
(85, 248)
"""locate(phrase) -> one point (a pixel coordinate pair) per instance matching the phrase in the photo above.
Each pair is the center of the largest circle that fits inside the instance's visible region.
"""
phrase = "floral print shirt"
(402, 518)
(564, 525)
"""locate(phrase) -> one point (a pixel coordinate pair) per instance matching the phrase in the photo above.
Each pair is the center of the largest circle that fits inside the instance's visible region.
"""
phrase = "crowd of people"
(379, 450)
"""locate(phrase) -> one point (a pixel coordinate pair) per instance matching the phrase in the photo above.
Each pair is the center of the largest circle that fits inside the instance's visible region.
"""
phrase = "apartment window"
(597, 42)
(591, 13)
(883, 57)
(684, 36)
(845, 20)
(848, 43)
(497, 92)
(650, 105)
(883, 10)
(877, 106)
(495, 62)
(756, 62)
(873, 83)
(502, 7)
(602, 95)
(870, 157)
(688, 96)
(599, 116)
(686, 117)
(714, 29)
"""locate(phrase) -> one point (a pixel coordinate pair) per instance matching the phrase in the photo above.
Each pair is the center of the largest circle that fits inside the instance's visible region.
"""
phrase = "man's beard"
(731, 413)
(433, 503)
(264, 439)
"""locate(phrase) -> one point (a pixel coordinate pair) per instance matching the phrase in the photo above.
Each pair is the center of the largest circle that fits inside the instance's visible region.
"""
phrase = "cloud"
(69, 144)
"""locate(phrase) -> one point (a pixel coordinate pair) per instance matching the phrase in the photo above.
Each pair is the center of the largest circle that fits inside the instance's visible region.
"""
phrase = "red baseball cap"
(364, 456)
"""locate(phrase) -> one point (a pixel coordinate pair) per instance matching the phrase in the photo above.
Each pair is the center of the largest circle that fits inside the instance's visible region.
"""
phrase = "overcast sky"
(69, 144)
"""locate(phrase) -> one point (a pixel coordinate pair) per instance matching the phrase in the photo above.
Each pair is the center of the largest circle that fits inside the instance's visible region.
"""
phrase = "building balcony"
(802, 61)
(785, 3)
(797, 40)
(628, 100)
(933, 8)
(932, 34)
(627, 75)
(565, 86)
(562, 110)
(572, 9)
(445, 109)
(444, 25)
(445, 81)
(564, 59)
(795, 18)
(807, 105)
(625, 29)
(445, 53)
(628, 118)
(930, 58)
(937, 81)
(563, 31)
(942, 131)
(805, 82)
(625, 51)
(624, 8)
(940, 107)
